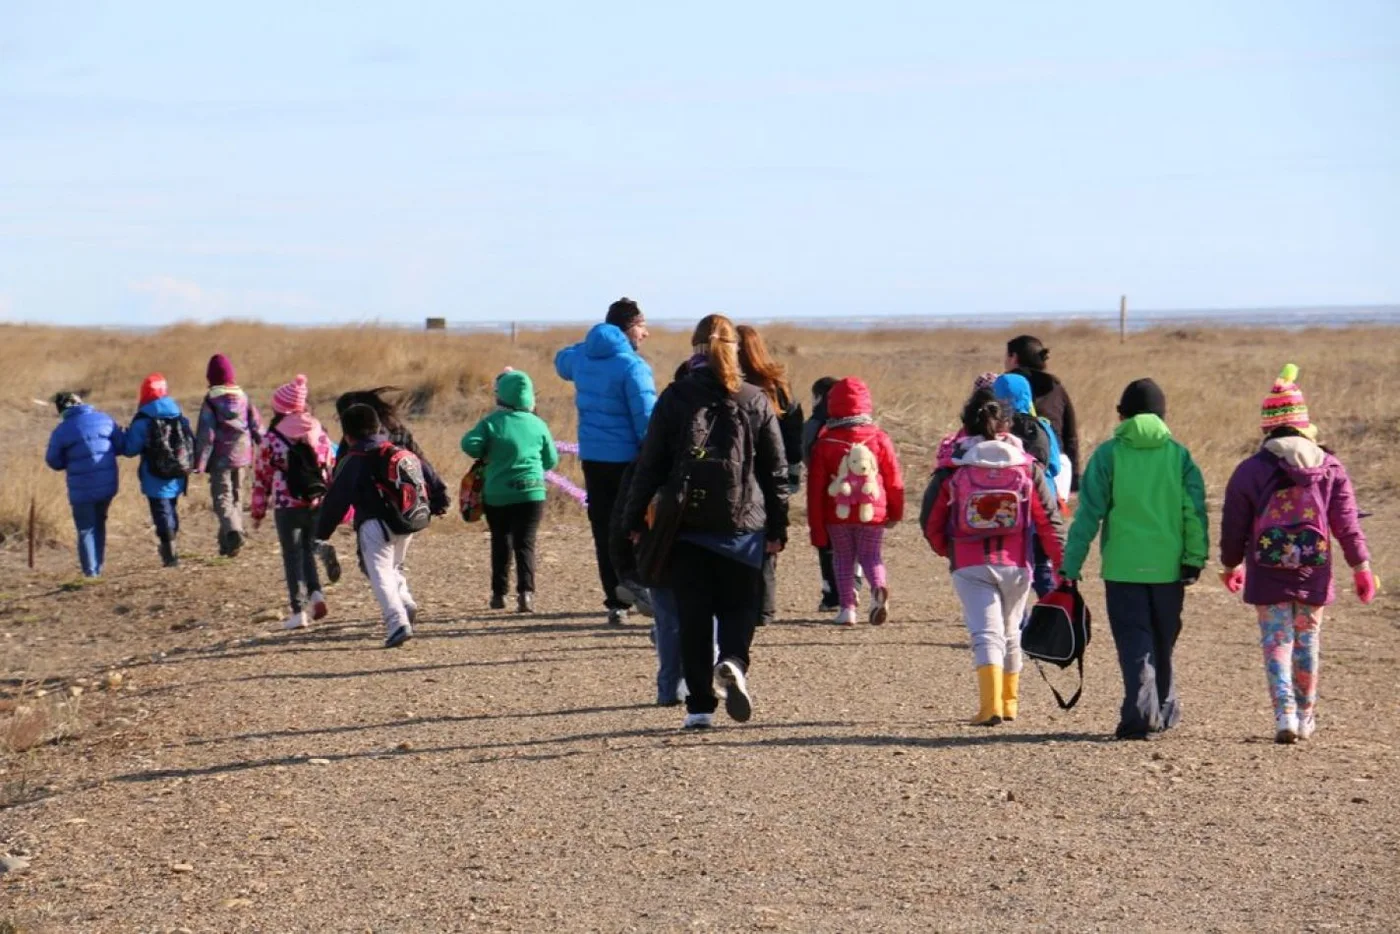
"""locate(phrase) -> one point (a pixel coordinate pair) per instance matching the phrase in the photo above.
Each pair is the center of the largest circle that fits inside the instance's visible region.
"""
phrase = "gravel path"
(508, 773)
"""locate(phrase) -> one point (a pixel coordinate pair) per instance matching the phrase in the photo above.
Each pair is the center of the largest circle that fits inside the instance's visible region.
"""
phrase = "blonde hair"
(717, 338)
(761, 369)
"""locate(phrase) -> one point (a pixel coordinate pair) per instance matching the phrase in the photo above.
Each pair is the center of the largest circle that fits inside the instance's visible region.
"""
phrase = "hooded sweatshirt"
(230, 427)
(614, 393)
(1282, 463)
(847, 399)
(1041, 511)
(269, 471)
(515, 443)
(1036, 434)
(1148, 494)
(138, 435)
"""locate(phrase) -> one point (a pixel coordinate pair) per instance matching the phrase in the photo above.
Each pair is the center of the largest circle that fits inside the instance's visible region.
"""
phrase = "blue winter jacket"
(136, 436)
(86, 444)
(614, 393)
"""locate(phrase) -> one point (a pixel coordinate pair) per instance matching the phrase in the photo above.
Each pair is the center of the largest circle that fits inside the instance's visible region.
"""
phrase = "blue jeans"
(91, 521)
(667, 626)
(166, 517)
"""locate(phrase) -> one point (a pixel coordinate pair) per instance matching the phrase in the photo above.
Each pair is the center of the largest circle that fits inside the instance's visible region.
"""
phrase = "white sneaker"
(846, 616)
(880, 605)
(295, 621)
(1307, 726)
(730, 680)
(318, 606)
(698, 721)
(1286, 730)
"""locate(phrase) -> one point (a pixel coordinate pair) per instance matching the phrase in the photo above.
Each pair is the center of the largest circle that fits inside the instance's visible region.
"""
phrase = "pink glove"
(1365, 584)
(1233, 578)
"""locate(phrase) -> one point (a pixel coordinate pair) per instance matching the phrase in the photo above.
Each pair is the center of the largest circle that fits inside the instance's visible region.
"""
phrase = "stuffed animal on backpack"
(856, 485)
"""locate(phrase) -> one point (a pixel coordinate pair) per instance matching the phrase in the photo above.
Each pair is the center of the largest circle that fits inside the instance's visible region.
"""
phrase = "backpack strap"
(1059, 699)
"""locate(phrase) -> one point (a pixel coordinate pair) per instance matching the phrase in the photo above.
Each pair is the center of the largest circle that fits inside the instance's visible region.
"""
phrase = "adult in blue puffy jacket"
(162, 492)
(614, 392)
(85, 445)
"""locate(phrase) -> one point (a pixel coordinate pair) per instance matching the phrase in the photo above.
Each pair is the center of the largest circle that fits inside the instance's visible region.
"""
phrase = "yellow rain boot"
(989, 694)
(1010, 695)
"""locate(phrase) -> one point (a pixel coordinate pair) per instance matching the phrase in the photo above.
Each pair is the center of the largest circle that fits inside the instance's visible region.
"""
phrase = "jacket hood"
(606, 340)
(849, 397)
(1302, 459)
(1143, 431)
(298, 425)
(218, 392)
(75, 411)
(516, 390)
(164, 407)
(999, 452)
(1016, 389)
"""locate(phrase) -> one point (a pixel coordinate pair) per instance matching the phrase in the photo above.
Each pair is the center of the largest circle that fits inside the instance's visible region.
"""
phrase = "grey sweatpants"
(383, 552)
(226, 490)
(994, 603)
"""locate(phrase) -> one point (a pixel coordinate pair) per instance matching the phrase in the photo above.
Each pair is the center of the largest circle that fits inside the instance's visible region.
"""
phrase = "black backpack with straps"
(711, 474)
(169, 449)
(1058, 632)
(304, 475)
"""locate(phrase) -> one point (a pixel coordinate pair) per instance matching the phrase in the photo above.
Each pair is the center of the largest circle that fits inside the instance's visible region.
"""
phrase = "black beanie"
(624, 313)
(64, 401)
(1142, 395)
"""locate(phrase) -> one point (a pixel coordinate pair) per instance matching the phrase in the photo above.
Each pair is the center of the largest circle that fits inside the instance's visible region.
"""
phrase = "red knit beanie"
(153, 388)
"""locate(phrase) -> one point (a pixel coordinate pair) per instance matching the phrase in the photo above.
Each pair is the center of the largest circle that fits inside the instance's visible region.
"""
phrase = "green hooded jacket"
(1143, 488)
(515, 443)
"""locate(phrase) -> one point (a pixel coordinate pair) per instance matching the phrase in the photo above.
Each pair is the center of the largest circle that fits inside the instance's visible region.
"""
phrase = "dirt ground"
(508, 773)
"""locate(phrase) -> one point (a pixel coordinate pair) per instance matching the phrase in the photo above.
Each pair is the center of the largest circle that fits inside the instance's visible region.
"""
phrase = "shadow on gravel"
(516, 752)
(989, 738)
(402, 669)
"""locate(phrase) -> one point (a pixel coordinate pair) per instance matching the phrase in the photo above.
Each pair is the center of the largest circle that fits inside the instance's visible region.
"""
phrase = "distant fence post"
(1123, 319)
(512, 332)
(31, 533)
(437, 324)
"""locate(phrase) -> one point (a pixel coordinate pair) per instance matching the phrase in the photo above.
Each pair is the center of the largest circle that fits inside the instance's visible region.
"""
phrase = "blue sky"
(161, 161)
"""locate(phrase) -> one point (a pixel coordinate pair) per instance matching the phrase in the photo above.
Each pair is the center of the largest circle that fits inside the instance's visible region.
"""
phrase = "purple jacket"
(1254, 481)
(229, 427)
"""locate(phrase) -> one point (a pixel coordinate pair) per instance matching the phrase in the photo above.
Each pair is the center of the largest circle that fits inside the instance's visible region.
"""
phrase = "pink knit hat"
(984, 381)
(1284, 406)
(290, 398)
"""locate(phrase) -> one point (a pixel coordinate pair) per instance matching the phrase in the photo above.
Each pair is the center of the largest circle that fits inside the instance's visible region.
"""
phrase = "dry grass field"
(171, 761)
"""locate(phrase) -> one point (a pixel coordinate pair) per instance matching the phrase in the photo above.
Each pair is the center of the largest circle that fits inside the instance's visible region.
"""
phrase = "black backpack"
(711, 475)
(169, 450)
(304, 475)
(1058, 632)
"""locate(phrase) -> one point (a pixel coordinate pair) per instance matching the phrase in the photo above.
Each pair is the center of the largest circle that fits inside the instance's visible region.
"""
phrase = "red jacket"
(848, 398)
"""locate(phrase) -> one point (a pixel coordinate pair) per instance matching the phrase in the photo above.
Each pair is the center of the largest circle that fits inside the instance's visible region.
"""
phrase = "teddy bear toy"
(856, 485)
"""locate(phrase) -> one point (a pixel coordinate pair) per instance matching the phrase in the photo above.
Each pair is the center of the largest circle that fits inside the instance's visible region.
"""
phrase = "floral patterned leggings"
(1289, 634)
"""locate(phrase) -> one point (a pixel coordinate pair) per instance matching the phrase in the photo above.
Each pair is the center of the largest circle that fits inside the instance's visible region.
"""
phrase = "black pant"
(1146, 621)
(296, 533)
(166, 516)
(603, 481)
(770, 588)
(711, 588)
(513, 528)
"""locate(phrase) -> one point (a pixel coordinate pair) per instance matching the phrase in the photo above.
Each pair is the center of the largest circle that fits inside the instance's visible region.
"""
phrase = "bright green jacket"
(515, 443)
(1143, 488)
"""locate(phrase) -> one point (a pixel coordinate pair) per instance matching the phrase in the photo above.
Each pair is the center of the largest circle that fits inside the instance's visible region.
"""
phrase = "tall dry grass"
(1214, 380)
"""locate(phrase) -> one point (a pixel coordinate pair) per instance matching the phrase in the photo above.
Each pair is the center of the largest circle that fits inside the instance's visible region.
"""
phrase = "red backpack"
(398, 474)
(989, 502)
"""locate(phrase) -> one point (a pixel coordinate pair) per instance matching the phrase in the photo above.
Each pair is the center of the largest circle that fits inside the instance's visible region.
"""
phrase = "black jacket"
(766, 506)
(1033, 437)
(1053, 404)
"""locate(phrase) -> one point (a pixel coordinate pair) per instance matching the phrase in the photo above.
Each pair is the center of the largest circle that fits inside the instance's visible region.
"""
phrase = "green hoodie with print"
(1143, 488)
(515, 443)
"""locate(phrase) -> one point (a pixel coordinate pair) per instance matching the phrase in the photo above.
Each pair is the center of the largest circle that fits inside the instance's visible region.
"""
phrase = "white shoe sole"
(736, 692)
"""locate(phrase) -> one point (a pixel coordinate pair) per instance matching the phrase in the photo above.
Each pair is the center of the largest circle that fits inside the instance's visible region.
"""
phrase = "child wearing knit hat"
(161, 436)
(227, 433)
(292, 470)
(1283, 507)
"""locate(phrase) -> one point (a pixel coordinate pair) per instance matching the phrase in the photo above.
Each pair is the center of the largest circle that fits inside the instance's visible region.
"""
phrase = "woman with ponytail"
(713, 442)
(1028, 357)
(761, 370)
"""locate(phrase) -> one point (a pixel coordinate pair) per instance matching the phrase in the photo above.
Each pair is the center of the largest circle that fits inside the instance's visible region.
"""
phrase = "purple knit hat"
(220, 371)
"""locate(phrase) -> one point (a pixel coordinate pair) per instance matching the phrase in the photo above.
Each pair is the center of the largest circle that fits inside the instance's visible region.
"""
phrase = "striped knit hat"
(1284, 406)
(290, 398)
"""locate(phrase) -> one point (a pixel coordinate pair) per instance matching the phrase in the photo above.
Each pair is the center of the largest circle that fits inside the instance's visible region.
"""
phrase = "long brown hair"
(716, 337)
(761, 369)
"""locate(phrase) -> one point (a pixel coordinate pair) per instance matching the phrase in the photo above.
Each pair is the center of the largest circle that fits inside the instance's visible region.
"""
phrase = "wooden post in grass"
(512, 332)
(1122, 319)
(31, 533)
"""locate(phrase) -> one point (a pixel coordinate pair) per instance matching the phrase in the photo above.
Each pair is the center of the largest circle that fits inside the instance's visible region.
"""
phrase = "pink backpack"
(989, 502)
(1291, 530)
